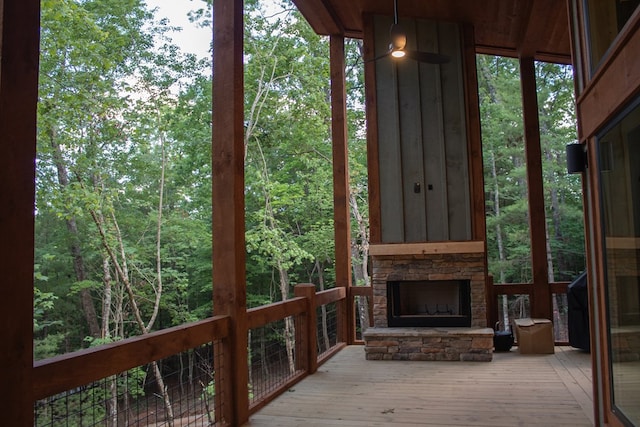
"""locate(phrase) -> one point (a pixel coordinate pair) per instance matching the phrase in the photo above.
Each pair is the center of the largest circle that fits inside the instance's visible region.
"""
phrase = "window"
(605, 19)
(619, 163)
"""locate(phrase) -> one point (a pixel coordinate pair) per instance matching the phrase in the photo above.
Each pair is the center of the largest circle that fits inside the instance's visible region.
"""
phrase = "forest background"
(123, 211)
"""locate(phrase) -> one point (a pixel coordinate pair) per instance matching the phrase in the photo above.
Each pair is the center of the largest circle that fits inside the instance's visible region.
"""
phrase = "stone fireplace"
(429, 302)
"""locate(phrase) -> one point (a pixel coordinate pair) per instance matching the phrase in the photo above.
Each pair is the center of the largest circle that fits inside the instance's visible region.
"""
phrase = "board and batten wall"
(420, 137)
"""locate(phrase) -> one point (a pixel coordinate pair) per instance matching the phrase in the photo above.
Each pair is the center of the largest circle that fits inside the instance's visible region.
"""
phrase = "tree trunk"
(112, 405)
(162, 388)
(360, 251)
(118, 310)
(106, 299)
(252, 119)
(323, 309)
(86, 301)
(504, 300)
(558, 321)
(122, 271)
(158, 290)
(499, 242)
(289, 327)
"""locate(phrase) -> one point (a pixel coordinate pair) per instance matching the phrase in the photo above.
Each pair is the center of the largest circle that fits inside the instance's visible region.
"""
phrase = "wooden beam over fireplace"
(472, 246)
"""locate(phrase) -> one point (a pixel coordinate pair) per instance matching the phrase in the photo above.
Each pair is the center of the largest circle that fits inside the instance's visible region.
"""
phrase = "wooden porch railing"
(74, 371)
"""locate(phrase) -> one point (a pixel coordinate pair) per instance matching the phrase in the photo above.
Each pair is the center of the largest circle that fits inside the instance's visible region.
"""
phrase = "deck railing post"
(19, 42)
(341, 191)
(541, 297)
(309, 345)
(227, 196)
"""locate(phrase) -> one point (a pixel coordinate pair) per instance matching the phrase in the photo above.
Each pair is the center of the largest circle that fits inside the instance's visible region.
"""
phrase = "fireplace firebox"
(429, 303)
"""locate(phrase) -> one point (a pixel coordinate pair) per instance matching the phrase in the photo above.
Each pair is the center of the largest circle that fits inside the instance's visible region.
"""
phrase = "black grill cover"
(578, 315)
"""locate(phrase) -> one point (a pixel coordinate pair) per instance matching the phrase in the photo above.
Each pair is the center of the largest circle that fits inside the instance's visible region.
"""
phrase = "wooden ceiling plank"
(334, 16)
(537, 28)
(544, 31)
(318, 16)
(350, 16)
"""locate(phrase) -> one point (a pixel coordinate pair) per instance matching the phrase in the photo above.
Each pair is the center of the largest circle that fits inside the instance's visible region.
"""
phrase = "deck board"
(512, 390)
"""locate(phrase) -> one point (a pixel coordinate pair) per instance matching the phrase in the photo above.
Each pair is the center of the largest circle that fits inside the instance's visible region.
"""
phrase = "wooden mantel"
(427, 248)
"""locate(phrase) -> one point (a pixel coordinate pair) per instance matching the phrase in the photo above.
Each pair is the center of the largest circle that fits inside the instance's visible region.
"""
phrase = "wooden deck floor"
(512, 390)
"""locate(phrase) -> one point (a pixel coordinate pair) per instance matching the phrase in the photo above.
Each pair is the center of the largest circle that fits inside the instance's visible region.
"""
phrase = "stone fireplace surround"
(429, 262)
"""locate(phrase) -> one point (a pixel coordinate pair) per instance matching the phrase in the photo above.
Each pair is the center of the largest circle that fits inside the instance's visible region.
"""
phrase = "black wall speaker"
(576, 159)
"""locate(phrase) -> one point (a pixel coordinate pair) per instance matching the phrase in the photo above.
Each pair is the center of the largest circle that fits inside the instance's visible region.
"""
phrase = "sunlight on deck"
(512, 390)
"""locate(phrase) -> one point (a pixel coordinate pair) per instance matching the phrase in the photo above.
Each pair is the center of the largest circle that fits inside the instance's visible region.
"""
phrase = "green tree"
(563, 192)
(107, 167)
(504, 165)
(508, 239)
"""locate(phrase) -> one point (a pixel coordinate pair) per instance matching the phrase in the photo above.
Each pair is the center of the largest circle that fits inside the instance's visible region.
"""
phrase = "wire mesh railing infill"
(178, 390)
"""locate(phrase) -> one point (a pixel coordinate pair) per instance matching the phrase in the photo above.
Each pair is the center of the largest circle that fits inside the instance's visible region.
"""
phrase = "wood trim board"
(474, 246)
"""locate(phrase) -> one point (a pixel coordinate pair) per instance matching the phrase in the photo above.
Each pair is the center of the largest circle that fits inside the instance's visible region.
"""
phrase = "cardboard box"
(535, 336)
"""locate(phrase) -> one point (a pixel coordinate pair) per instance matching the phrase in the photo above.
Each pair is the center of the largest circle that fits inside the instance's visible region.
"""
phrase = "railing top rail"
(366, 291)
(330, 295)
(260, 316)
(531, 284)
(525, 288)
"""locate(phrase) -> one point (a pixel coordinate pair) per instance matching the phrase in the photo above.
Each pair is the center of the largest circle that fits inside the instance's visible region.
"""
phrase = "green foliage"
(89, 405)
(42, 303)
(119, 103)
(76, 287)
(119, 106)
(289, 199)
(111, 109)
(46, 343)
(508, 237)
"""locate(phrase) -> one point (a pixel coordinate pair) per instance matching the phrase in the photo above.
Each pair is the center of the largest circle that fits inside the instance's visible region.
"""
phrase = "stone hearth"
(431, 344)
(424, 263)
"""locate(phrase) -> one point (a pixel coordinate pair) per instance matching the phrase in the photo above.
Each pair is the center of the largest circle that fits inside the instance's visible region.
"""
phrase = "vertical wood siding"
(422, 138)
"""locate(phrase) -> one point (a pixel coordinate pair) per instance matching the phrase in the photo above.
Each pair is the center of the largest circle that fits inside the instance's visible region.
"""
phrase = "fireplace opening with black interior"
(429, 303)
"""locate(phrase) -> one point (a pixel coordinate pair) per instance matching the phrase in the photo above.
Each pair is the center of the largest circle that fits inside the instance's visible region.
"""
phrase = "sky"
(191, 39)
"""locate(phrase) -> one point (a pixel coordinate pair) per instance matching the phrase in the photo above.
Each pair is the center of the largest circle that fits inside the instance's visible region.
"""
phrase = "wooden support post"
(341, 211)
(371, 110)
(474, 136)
(309, 344)
(300, 324)
(541, 301)
(476, 167)
(19, 47)
(229, 287)
(597, 294)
